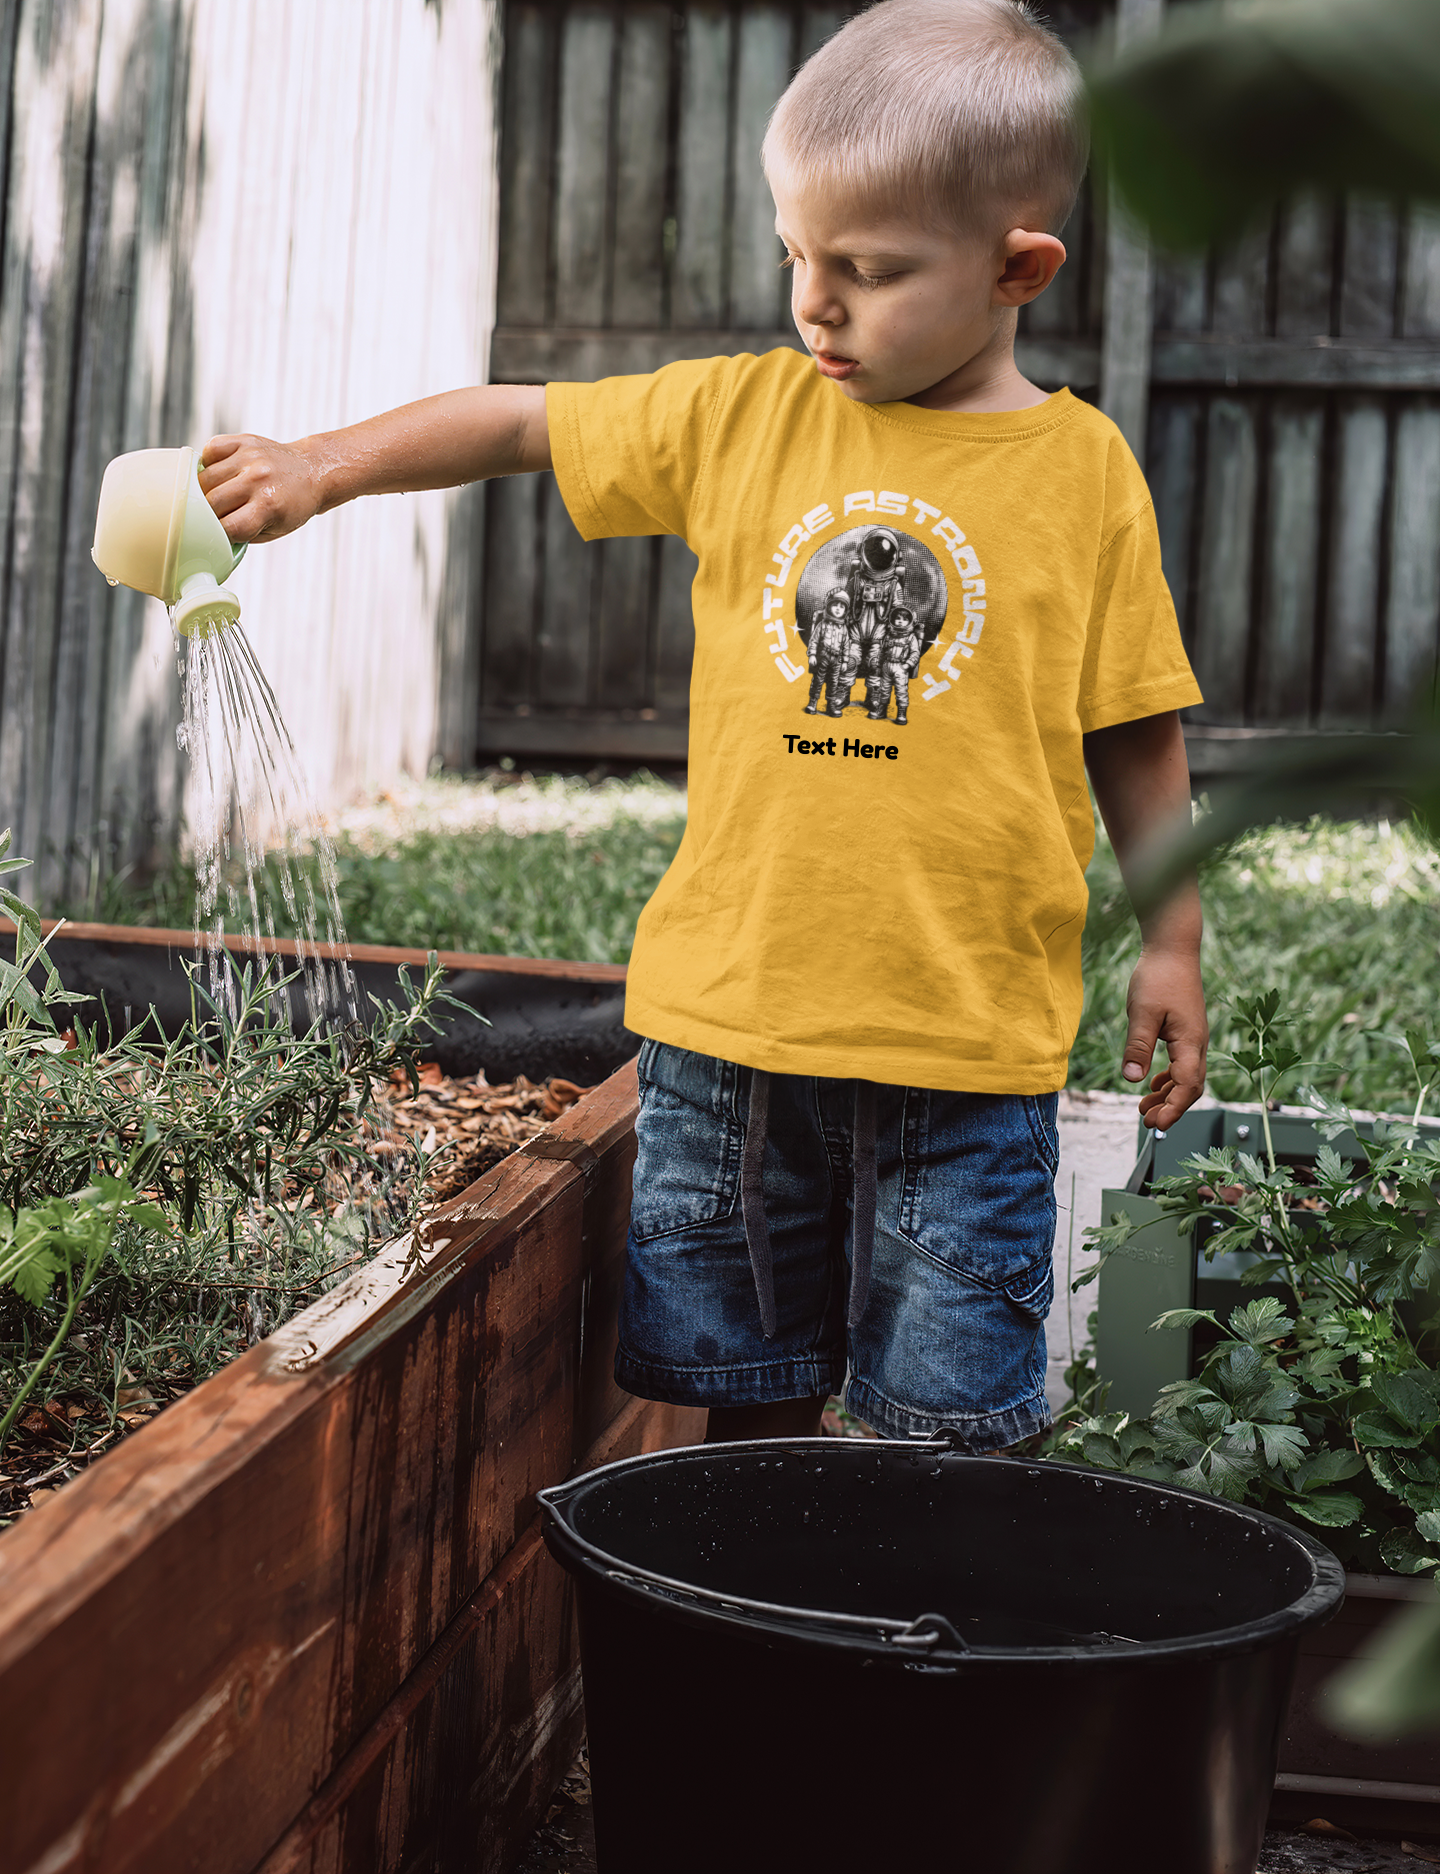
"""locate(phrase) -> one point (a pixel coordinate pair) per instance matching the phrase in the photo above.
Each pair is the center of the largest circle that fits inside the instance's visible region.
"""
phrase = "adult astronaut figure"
(833, 657)
(877, 586)
(899, 660)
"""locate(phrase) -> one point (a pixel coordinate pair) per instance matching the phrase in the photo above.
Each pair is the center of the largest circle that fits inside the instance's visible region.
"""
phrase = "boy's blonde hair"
(968, 113)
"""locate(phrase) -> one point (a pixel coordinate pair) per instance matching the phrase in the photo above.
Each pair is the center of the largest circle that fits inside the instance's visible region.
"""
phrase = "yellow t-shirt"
(900, 902)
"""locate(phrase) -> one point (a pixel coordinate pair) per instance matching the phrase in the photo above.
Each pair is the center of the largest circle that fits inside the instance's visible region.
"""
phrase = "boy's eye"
(872, 279)
(789, 260)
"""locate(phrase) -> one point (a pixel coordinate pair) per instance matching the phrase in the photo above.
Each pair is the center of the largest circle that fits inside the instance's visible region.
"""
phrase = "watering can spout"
(156, 532)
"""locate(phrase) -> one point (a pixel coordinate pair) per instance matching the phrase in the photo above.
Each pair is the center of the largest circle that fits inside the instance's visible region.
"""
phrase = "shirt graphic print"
(906, 621)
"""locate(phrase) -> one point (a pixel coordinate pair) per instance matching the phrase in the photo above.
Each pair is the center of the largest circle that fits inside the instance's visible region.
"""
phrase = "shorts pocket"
(1033, 1290)
(689, 1138)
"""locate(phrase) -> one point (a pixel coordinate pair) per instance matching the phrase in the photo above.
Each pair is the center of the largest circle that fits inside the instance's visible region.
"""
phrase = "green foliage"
(1322, 1402)
(1231, 108)
(1338, 917)
(571, 890)
(164, 1202)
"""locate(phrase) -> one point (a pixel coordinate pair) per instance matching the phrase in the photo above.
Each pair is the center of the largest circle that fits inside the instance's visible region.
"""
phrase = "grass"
(1344, 919)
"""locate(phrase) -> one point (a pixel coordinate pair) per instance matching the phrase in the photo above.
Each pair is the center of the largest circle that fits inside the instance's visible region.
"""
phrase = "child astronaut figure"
(877, 585)
(899, 660)
(834, 654)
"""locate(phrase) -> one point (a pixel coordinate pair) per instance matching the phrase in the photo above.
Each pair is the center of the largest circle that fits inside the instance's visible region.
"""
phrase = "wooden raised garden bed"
(304, 1619)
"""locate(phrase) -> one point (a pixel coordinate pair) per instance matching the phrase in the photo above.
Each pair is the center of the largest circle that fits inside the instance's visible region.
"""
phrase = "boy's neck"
(990, 381)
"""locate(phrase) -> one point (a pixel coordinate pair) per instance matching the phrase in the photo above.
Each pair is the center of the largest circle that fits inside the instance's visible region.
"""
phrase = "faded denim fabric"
(954, 1330)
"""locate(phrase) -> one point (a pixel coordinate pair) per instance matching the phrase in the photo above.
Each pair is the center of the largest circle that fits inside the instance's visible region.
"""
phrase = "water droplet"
(111, 582)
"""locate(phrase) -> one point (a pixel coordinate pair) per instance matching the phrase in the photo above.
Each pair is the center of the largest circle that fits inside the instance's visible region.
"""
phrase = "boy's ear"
(1031, 262)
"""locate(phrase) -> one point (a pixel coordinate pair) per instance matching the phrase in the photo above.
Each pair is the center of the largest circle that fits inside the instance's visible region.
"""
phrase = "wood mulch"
(457, 1129)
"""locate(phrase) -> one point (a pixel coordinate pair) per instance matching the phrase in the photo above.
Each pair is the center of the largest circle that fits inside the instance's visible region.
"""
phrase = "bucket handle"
(920, 1634)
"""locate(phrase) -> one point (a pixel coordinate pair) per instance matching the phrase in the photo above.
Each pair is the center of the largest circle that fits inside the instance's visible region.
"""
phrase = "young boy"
(860, 979)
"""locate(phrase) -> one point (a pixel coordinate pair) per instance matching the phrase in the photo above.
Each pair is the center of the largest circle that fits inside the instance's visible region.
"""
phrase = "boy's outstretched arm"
(263, 489)
(1142, 782)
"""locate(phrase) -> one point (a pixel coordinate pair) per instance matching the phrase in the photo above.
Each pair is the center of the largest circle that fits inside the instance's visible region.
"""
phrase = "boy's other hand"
(260, 489)
(1166, 1002)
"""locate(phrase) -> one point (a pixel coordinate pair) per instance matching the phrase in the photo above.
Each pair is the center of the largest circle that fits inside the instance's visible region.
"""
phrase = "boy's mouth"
(832, 364)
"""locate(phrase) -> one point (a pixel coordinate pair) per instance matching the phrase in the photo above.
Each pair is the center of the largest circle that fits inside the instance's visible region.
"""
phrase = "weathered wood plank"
(1350, 654)
(1305, 265)
(1372, 258)
(674, 625)
(563, 656)
(759, 291)
(584, 734)
(455, 1768)
(622, 663)
(1336, 365)
(1286, 653)
(528, 129)
(1182, 295)
(1223, 588)
(817, 24)
(1420, 300)
(642, 122)
(1057, 312)
(1172, 464)
(698, 286)
(582, 166)
(1240, 286)
(307, 1527)
(514, 571)
(1127, 318)
(40, 290)
(1412, 611)
(568, 354)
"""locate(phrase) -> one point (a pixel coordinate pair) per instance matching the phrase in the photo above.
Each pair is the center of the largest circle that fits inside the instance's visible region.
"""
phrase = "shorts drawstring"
(752, 1200)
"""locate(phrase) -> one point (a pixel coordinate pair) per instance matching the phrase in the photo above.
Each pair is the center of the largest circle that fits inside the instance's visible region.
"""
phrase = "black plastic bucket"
(844, 1654)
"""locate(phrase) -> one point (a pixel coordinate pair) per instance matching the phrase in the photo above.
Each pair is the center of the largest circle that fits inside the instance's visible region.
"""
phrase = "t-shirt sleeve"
(629, 451)
(1135, 664)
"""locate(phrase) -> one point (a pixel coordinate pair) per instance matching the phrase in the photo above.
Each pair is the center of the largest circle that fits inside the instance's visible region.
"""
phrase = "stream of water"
(255, 828)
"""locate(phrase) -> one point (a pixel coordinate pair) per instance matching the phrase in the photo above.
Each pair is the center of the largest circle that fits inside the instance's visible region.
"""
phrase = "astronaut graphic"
(877, 583)
(869, 605)
(899, 660)
(834, 657)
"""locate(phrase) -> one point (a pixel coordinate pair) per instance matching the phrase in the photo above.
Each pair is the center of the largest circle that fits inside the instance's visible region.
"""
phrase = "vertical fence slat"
(563, 652)
(1412, 613)
(1352, 608)
(621, 664)
(757, 287)
(525, 181)
(1172, 455)
(1285, 663)
(1420, 307)
(1305, 257)
(674, 624)
(698, 282)
(514, 568)
(42, 280)
(1372, 249)
(1241, 286)
(1222, 612)
(1181, 292)
(582, 165)
(641, 127)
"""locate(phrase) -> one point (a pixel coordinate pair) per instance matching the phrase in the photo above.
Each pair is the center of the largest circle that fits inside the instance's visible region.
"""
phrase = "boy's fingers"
(1144, 1032)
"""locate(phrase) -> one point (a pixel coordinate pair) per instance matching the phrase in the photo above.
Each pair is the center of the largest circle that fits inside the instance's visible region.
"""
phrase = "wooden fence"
(1293, 390)
(260, 216)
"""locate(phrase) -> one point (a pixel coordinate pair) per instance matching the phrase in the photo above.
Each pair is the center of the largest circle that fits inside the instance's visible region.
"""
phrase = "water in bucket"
(156, 532)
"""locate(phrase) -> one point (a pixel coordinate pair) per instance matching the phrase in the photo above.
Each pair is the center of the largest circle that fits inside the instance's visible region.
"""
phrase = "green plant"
(1317, 1401)
(163, 1202)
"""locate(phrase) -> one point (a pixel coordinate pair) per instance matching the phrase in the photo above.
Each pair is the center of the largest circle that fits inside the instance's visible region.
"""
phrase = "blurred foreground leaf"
(1233, 107)
(1396, 1691)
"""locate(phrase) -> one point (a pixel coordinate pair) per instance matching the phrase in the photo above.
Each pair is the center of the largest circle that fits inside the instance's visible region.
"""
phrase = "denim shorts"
(953, 1329)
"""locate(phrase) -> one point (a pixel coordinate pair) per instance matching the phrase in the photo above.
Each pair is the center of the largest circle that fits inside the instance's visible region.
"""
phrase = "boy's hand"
(261, 490)
(1166, 1002)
